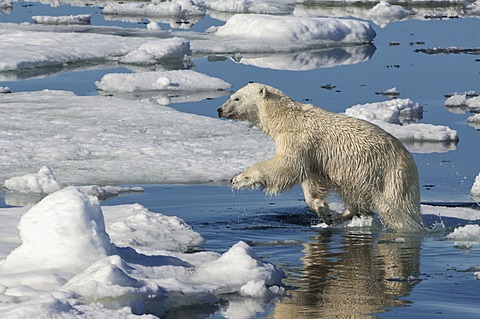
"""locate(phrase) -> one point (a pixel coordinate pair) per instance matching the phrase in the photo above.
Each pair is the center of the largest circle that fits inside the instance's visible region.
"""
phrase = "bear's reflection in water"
(353, 276)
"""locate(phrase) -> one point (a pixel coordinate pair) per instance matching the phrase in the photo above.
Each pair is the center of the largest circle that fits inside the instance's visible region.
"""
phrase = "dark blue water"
(331, 273)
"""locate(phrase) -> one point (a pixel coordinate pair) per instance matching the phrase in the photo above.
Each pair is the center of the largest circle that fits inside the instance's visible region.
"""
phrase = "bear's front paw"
(244, 180)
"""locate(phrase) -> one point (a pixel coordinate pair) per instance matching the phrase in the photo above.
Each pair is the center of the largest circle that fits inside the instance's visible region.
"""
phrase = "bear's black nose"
(219, 112)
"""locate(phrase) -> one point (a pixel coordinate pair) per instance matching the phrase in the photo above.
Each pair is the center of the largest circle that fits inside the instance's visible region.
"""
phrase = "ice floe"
(30, 49)
(268, 33)
(399, 117)
(467, 101)
(41, 182)
(294, 29)
(71, 19)
(474, 121)
(249, 6)
(155, 8)
(475, 191)
(107, 140)
(386, 11)
(178, 80)
(164, 49)
(465, 236)
(75, 258)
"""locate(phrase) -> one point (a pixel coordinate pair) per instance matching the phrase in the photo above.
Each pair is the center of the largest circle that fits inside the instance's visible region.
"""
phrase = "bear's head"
(243, 104)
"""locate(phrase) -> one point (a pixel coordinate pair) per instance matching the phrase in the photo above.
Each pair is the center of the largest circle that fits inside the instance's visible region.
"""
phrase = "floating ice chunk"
(296, 29)
(177, 80)
(104, 192)
(389, 114)
(257, 289)
(391, 92)
(240, 256)
(385, 9)
(469, 100)
(474, 121)
(152, 25)
(249, 6)
(155, 8)
(398, 111)
(164, 49)
(71, 19)
(473, 8)
(360, 221)
(41, 182)
(420, 132)
(6, 3)
(5, 89)
(147, 232)
(465, 233)
(475, 191)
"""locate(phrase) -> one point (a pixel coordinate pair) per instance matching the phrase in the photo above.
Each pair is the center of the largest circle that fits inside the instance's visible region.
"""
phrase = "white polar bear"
(369, 168)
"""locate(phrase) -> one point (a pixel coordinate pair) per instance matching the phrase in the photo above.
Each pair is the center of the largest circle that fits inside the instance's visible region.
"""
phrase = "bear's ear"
(263, 91)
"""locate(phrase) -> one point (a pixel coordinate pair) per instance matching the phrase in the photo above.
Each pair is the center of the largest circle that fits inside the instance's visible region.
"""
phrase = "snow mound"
(135, 226)
(68, 266)
(41, 182)
(296, 29)
(151, 52)
(65, 230)
(177, 80)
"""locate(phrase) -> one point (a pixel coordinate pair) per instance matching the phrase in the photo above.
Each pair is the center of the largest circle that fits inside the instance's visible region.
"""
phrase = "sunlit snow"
(76, 258)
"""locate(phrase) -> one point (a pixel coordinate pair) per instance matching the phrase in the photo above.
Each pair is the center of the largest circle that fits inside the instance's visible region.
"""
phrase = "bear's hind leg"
(315, 192)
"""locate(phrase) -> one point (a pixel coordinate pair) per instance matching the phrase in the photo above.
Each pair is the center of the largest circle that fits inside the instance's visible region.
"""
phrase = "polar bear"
(369, 168)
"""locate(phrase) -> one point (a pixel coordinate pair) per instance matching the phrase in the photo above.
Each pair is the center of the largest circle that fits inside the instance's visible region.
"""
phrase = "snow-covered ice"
(399, 117)
(164, 49)
(473, 8)
(475, 191)
(33, 46)
(4, 90)
(177, 80)
(107, 140)
(249, 6)
(386, 11)
(78, 259)
(465, 233)
(71, 19)
(30, 49)
(41, 182)
(468, 100)
(155, 8)
(295, 29)
(397, 111)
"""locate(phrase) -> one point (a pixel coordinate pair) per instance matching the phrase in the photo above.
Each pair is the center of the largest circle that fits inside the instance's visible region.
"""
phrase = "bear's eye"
(236, 99)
